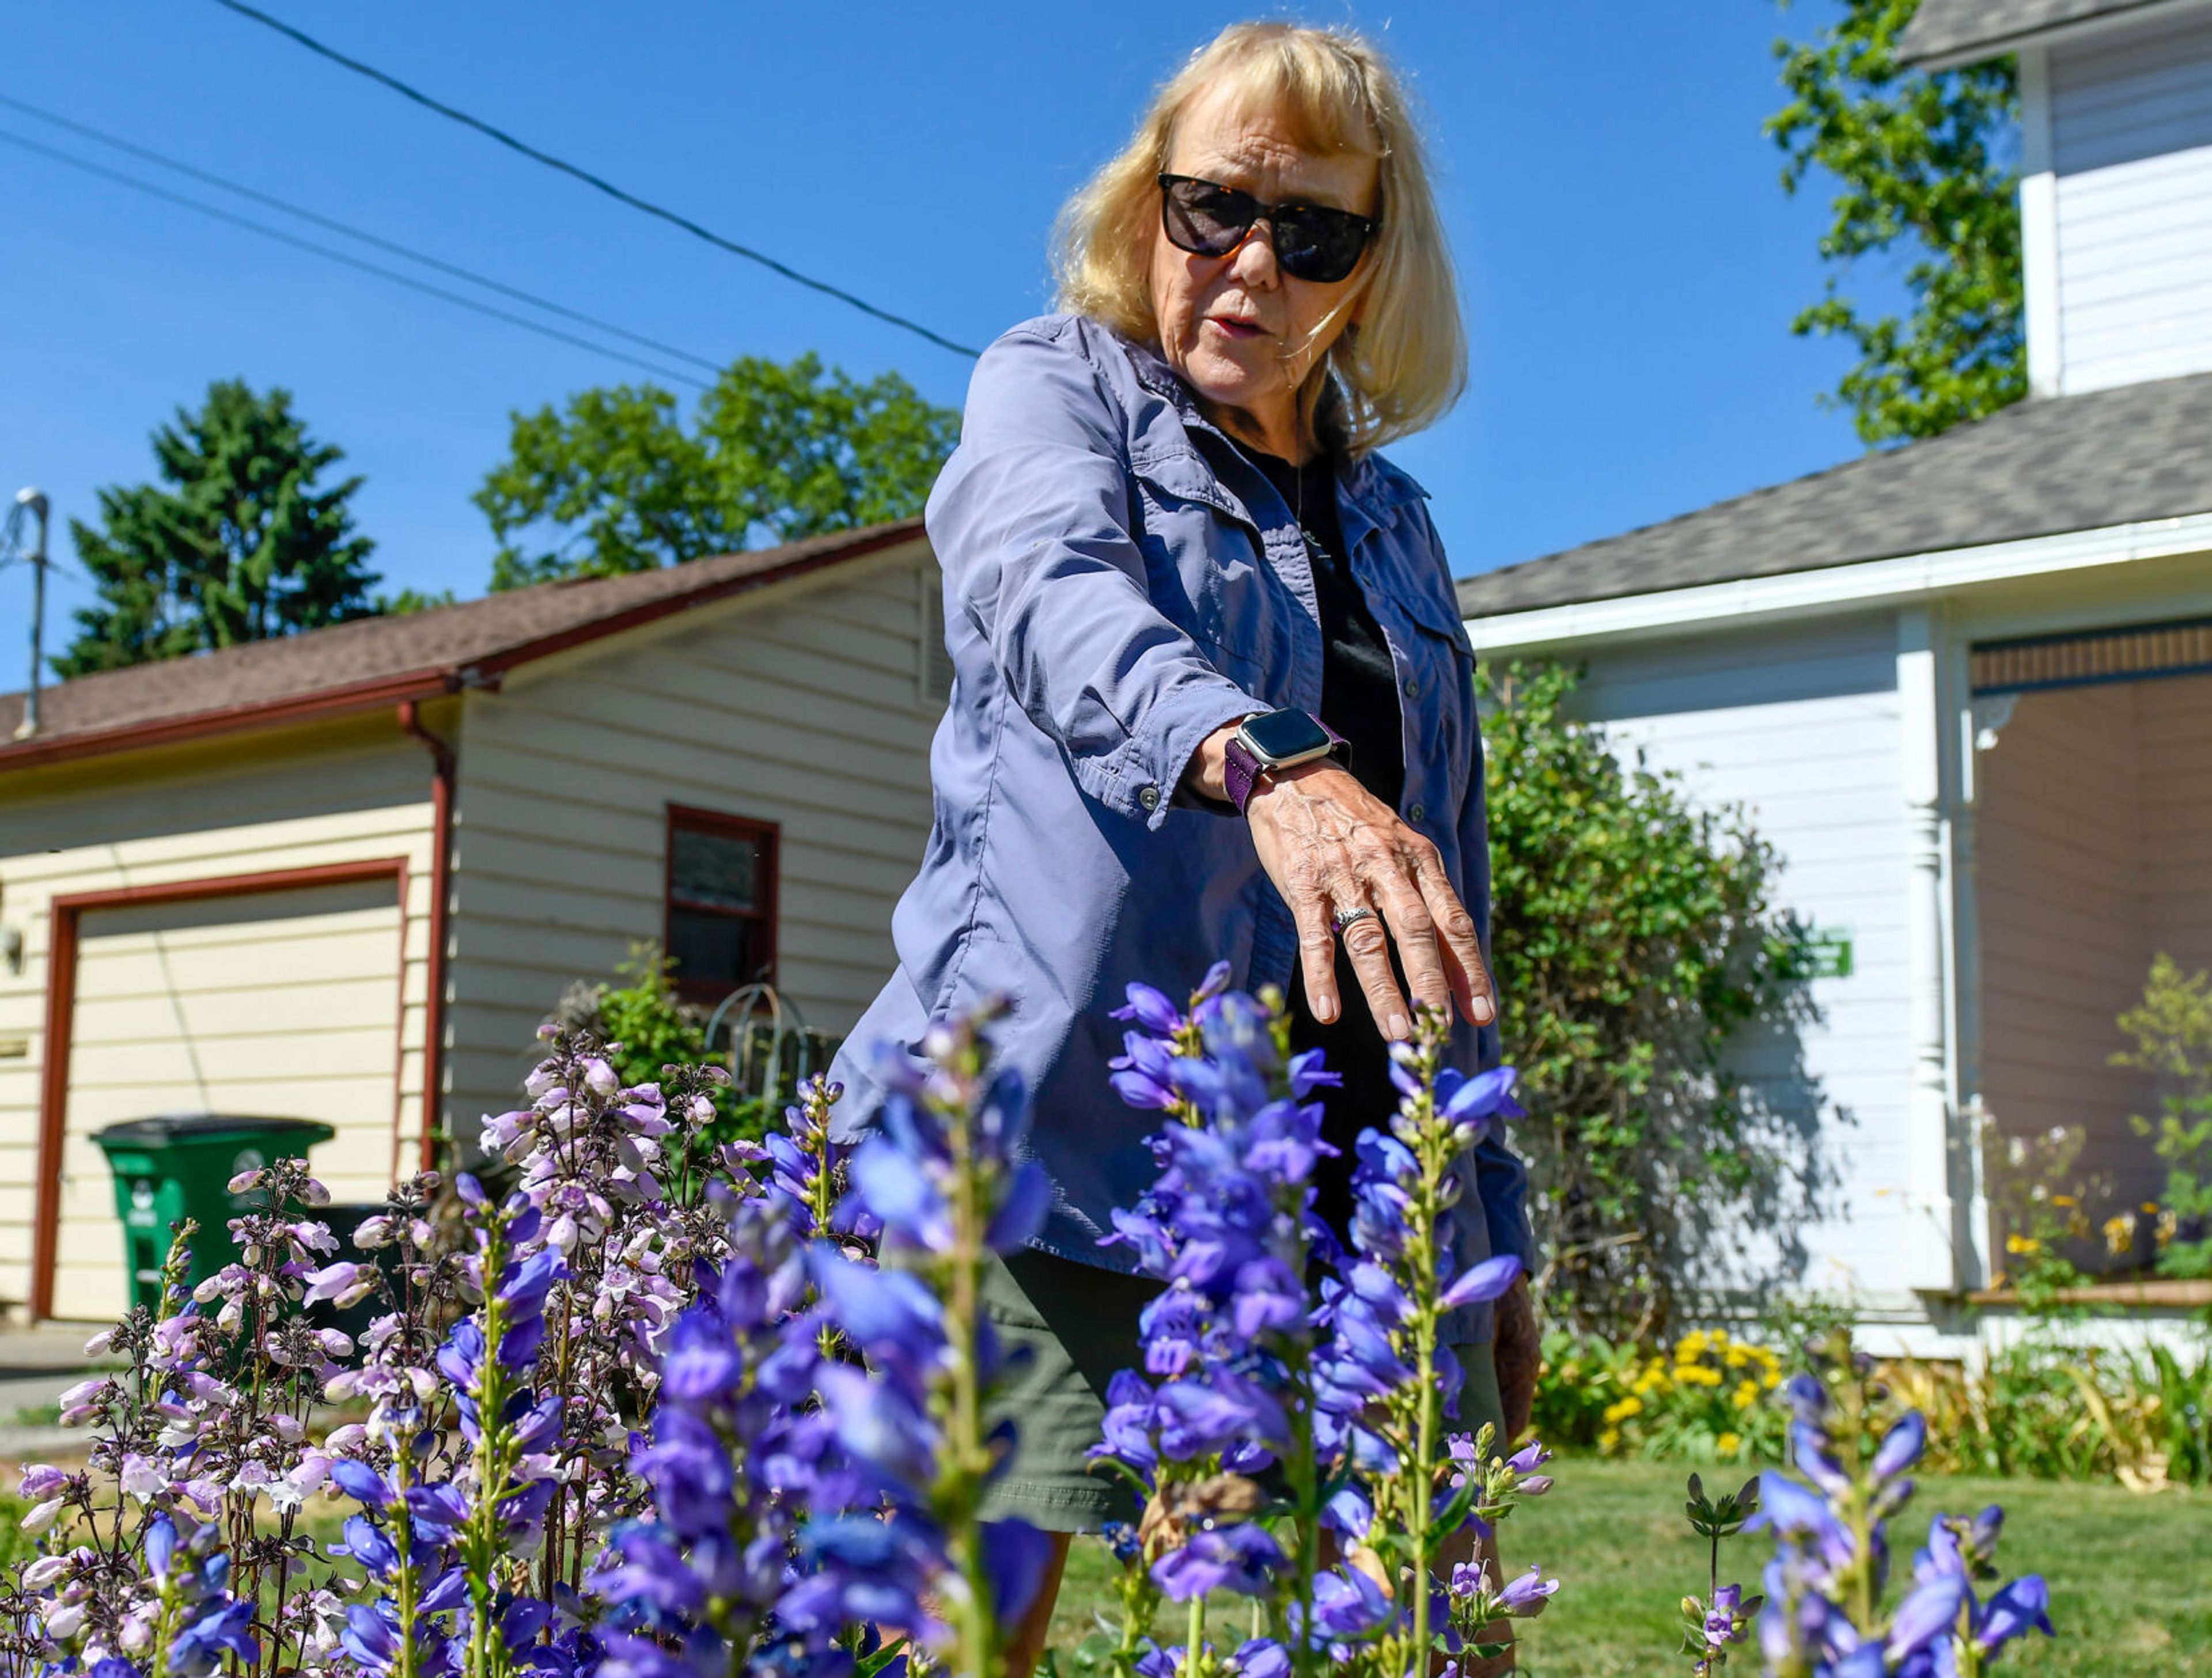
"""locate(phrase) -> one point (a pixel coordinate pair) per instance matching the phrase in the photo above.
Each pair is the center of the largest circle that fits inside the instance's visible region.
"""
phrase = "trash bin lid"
(168, 1130)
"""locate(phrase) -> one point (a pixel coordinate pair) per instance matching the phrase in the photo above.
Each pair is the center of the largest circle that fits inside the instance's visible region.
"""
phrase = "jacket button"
(1149, 797)
(1412, 689)
(1418, 812)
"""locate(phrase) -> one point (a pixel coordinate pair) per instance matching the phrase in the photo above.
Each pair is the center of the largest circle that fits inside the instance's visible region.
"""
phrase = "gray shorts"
(1078, 1323)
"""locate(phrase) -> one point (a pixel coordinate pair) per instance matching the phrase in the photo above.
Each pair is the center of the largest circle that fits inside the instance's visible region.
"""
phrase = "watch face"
(1280, 735)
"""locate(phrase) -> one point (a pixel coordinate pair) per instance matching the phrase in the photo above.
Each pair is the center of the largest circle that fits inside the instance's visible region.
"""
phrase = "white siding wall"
(343, 793)
(2095, 853)
(806, 709)
(2132, 145)
(1800, 726)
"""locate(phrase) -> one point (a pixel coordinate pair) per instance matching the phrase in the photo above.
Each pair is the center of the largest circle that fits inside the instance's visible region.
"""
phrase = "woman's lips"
(1229, 327)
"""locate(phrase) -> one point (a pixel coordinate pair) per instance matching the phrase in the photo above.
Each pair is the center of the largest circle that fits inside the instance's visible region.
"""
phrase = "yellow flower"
(2022, 1244)
(1623, 1409)
(1697, 1375)
(2120, 1233)
(1772, 1379)
(1737, 1357)
(2065, 1200)
(1745, 1395)
(1720, 1337)
(1729, 1443)
(1608, 1439)
(1690, 1346)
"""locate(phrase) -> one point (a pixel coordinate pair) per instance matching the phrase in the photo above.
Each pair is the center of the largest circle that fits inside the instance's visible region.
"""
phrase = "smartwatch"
(1274, 741)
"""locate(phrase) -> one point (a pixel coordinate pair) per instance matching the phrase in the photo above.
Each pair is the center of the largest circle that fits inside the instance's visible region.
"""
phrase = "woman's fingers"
(1331, 847)
(1369, 945)
(1457, 939)
(1316, 954)
(1413, 929)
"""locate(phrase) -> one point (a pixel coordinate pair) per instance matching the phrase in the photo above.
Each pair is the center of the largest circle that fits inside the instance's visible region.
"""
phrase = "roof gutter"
(442, 766)
(1865, 582)
(355, 698)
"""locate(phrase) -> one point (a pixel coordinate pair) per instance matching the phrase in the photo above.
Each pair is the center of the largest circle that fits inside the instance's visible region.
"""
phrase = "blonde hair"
(1402, 364)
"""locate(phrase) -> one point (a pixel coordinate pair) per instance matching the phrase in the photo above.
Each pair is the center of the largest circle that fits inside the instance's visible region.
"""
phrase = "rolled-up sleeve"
(1031, 520)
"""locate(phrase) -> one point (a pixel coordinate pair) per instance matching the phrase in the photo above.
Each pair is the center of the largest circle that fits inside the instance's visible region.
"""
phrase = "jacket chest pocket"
(1206, 573)
(1438, 687)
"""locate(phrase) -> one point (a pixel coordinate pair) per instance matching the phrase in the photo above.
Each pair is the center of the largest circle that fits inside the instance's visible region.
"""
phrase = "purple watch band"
(1242, 771)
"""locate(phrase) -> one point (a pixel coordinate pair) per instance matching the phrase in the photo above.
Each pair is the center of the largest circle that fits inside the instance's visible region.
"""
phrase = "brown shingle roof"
(380, 660)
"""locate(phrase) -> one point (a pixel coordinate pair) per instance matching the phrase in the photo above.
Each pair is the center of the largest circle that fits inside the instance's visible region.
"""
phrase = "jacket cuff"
(1142, 777)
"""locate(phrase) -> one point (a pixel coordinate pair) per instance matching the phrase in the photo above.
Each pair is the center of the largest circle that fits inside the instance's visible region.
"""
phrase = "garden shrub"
(2172, 1031)
(647, 1028)
(2040, 1408)
(1708, 1397)
(2039, 1202)
(1638, 942)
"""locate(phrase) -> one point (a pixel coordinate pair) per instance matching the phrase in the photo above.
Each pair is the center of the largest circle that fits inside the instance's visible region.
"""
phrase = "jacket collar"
(1370, 484)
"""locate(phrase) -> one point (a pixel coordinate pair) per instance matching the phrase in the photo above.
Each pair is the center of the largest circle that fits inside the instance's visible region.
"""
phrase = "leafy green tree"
(244, 545)
(1646, 973)
(614, 482)
(1927, 169)
(409, 601)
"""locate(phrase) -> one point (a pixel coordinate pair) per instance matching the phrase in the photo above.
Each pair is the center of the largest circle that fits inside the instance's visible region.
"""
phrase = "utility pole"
(34, 500)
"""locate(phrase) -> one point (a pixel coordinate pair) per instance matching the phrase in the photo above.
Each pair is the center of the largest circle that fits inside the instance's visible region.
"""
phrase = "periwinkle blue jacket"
(1119, 583)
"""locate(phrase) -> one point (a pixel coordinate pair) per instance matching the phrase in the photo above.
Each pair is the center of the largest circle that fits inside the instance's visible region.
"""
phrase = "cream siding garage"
(811, 706)
(274, 1003)
(288, 1003)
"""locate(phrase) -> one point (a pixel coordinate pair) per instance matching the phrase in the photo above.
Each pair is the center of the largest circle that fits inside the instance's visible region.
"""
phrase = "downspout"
(442, 851)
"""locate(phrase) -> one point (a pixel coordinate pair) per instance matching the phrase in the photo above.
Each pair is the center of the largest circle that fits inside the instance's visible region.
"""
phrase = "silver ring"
(1345, 917)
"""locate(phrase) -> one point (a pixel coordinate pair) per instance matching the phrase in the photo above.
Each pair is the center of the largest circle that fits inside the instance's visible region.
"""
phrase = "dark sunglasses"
(1311, 242)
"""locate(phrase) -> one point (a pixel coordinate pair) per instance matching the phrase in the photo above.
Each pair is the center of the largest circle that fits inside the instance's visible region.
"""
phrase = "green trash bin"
(180, 1165)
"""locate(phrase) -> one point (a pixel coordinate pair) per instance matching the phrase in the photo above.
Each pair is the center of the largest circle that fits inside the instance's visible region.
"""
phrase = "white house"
(344, 875)
(1965, 686)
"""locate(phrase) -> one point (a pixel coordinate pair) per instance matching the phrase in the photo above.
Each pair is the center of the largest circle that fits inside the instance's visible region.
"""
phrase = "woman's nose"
(1253, 261)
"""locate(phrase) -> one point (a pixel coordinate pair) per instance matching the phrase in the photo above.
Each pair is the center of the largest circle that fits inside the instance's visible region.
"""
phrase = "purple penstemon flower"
(948, 1183)
(1394, 1379)
(1824, 1613)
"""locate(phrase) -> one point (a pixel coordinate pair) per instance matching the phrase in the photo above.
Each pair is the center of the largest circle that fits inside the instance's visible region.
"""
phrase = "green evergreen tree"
(614, 482)
(241, 545)
(1926, 167)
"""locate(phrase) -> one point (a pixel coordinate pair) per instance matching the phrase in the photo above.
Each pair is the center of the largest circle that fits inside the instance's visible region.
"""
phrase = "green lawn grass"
(2130, 1576)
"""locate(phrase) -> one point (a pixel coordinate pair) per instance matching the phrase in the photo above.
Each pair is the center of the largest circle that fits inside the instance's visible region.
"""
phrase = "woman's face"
(1242, 333)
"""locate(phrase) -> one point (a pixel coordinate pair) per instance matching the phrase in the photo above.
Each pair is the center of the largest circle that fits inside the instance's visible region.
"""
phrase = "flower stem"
(1194, 1637)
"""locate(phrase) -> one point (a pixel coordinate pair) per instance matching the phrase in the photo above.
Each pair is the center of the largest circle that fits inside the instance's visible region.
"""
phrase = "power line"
(349, 261)
(597, 182)
(370, 239)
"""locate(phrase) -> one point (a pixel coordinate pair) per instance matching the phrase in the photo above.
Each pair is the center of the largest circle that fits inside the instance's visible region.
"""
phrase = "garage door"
(282, 1004)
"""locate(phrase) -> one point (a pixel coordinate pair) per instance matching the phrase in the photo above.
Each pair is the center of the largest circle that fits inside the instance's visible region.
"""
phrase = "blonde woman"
(1211, 695)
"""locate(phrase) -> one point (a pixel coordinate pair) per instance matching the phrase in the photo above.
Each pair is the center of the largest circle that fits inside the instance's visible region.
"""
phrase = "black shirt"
(1359, 700)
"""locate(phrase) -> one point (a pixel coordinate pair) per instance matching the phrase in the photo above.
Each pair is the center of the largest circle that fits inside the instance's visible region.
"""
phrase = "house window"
(721, 902)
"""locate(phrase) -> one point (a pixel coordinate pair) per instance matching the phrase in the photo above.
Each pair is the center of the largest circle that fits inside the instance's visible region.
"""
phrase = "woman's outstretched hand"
(1331, 847)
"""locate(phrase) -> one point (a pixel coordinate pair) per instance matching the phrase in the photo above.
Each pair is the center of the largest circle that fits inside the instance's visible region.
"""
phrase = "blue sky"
(1631, 263)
